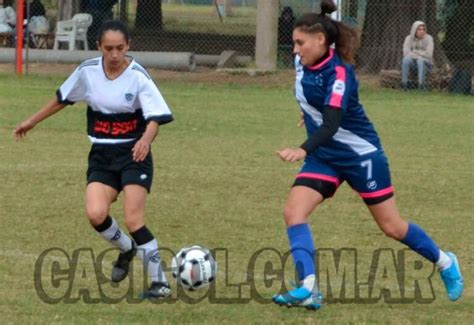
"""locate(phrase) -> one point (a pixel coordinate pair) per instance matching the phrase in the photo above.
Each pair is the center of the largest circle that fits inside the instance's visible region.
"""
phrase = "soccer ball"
(194, 267)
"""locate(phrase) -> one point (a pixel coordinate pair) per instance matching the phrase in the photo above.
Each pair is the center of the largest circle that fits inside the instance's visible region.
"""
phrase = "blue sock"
(302, 249)
(417, 239)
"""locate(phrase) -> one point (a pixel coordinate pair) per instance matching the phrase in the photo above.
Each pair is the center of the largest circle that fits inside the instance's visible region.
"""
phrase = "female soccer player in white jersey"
(342, 145)
(125, 110)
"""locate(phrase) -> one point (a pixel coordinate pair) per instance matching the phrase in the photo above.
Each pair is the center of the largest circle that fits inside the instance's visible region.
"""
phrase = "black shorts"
(113, 165)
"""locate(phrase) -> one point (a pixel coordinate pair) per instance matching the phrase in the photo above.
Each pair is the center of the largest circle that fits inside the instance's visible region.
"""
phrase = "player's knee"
(287, 213)
(96, 215)
(133, 223)
(292, 216)
(392, 231)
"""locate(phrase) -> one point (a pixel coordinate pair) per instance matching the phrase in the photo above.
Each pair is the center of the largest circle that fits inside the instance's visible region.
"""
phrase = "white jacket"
(416, 47)
(7, 18)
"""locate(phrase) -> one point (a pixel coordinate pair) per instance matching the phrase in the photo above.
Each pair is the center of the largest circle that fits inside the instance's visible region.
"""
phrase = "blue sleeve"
(338, 88)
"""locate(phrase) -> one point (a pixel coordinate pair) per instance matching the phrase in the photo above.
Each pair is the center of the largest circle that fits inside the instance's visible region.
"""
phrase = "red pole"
(19, 36)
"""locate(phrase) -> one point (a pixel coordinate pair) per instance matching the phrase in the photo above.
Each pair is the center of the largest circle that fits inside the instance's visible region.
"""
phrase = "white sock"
(310, 283)
(444, 261)
(150, 256)
(117, 237)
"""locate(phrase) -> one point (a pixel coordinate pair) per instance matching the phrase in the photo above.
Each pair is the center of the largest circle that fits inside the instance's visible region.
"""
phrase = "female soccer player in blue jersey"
(342, 145)
(125, 110)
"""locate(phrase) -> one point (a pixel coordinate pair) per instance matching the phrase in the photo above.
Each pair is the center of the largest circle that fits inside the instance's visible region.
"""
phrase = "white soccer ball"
(194, 267)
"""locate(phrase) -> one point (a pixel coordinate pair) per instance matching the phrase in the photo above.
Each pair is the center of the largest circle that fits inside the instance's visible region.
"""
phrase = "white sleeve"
(152, 103)
(73, 89)
(11, 15)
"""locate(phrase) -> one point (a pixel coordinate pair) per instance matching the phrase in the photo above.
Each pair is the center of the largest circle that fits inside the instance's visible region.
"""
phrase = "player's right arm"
(51, 108)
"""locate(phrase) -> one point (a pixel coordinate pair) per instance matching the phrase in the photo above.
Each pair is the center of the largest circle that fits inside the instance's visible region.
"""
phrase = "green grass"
(219, 184)
(196, 19)
(204, 19)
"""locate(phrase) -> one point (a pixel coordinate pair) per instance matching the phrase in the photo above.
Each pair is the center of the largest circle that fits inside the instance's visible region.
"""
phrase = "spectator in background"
(7, 16)
(101, 10)
(417, 53)
(37, 22)
(285, 35)
(36, 9)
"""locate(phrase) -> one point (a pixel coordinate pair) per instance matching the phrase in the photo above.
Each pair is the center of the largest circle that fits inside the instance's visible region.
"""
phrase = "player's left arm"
(155, 112)
(142, 147)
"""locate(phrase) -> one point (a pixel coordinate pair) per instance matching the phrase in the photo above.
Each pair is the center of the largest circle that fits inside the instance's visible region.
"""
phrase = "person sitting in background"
(417, 53)
(7, 16)
(37, 21)
(36, 9)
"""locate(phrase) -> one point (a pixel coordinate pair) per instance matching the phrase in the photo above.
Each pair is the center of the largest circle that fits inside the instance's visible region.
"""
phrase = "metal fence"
(222, 33)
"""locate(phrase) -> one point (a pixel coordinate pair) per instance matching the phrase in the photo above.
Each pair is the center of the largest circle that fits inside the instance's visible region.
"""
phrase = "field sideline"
(218, 183)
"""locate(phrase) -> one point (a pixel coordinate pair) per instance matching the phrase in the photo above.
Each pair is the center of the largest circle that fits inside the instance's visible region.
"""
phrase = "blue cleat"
(452, 278)
(314, 302)
(299, 297)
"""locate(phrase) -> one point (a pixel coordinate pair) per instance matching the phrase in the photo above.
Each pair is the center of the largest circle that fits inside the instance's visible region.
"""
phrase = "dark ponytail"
(114, 25)
(346, 39)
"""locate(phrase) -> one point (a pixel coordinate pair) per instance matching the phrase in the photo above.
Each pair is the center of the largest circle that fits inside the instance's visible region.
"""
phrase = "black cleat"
(120, 269)
(157, 290)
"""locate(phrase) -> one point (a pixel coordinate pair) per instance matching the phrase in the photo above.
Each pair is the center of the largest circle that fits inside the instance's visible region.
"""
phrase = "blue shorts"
(369, 175)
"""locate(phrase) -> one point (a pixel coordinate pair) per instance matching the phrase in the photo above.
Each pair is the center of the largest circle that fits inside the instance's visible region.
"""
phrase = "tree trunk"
(387, 24)
(123, 11)
(228, 8)
(458, 32)
(267, 35)
(67, 9)
(149, 15)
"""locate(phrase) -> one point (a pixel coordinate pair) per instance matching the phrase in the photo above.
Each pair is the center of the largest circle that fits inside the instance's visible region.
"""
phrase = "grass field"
(218, 183)
(204, 19)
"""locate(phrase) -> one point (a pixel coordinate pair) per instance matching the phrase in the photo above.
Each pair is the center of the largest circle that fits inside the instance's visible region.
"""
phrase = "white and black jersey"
(118, 109)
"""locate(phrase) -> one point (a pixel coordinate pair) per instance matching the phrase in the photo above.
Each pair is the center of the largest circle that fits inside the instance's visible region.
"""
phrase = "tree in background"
(459, 38)
(101, 10)
(67, 9)
(149, 15)
(387, 23)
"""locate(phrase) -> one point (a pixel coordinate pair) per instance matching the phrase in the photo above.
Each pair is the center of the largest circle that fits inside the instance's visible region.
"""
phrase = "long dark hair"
(346, 39)
(114, 25)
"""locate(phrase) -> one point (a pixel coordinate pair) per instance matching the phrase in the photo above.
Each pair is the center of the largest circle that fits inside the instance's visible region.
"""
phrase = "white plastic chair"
(73, 30)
